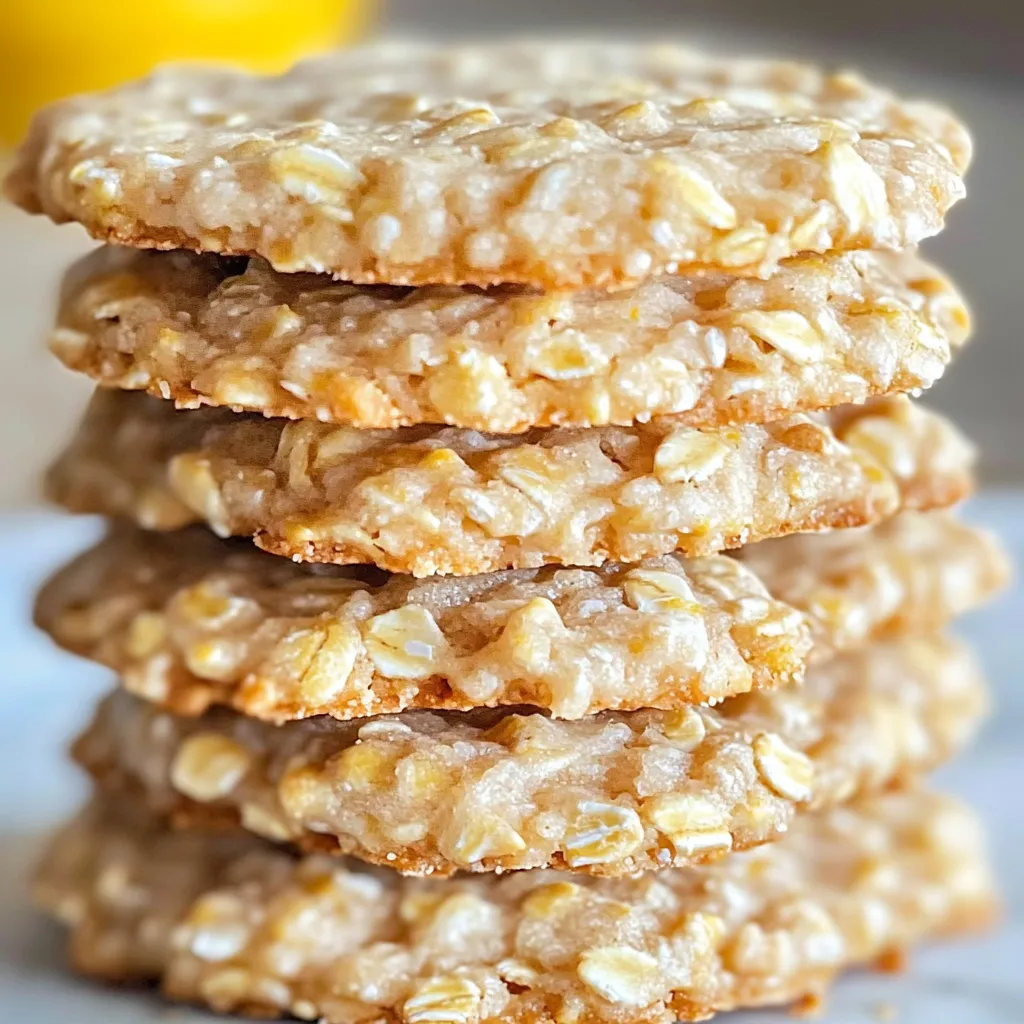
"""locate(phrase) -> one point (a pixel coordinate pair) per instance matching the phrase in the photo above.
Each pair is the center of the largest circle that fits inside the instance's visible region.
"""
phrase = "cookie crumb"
(892, 961)
(808, 1007)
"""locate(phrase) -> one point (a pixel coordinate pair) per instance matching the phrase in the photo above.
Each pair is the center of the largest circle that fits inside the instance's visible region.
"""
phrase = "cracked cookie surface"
(713, 350)
(242, 926)
(610, 794)
(187, 620)
(426, 500)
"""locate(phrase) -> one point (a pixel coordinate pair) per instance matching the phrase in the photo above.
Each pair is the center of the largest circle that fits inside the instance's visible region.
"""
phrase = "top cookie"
(547, 164)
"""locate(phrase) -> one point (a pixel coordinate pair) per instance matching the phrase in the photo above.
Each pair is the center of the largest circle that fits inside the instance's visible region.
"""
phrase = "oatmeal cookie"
(550, 164)
(190, 620)
(242, 926)
(911, 574)
(713, 350)
(426, 500)
(187, 621)
(491, 790)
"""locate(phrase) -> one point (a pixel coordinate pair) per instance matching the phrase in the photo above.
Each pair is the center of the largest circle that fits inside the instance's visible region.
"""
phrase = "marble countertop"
(47, 695)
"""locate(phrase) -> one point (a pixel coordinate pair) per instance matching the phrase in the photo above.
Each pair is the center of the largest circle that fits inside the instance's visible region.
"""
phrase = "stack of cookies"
(590, 648)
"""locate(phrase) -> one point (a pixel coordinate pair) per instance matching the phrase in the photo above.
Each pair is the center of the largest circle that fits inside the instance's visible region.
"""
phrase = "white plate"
(45, 697)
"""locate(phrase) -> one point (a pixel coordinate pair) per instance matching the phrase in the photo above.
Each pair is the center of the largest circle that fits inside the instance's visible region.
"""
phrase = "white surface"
(46, 696)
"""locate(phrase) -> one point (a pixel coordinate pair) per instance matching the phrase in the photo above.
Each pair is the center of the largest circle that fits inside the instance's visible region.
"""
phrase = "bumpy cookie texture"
(612, 794)
(244, 927)
(911, 574)
(554, 164)
(427, 500)
(187, 621)
(822, 331)
(930, 459)
(191, 620)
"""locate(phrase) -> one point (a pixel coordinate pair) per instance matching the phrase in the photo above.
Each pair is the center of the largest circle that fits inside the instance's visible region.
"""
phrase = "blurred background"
(969, 55)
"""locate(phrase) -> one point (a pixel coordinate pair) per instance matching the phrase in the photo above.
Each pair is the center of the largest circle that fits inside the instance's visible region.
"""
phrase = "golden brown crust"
(714, 350)
(549, 164)
(431, 500)
(612, 794)
(243, 927)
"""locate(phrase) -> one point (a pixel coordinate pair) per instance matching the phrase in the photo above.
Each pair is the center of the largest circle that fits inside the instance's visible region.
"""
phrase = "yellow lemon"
(53, 48)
